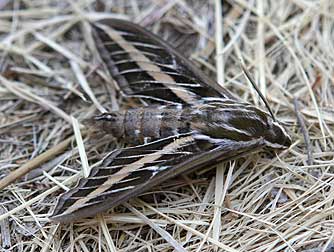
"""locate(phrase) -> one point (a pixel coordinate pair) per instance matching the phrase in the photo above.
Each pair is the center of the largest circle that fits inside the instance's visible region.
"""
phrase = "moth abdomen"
(144, 124)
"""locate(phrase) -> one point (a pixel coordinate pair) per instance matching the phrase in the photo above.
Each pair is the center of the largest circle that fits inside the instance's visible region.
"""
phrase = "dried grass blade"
(85, 86)
(164, 234)
(37, 198)
(208, 195)
(195, 232)
(260, 55)
(219, 201)
(304, 130)
(220, 79)
(34, 163)
(62, 50)
(21, 91)
(106, 233)
(81, 147)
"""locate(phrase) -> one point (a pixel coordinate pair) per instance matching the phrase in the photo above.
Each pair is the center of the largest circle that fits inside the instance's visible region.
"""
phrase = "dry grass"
(50, 72)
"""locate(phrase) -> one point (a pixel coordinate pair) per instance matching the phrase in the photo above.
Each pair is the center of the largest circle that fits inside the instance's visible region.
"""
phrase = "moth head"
(110, 123)
(276, 136)
(259, 124)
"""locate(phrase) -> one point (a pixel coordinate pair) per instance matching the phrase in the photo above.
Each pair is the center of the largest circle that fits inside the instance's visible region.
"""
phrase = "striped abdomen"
(144, 124)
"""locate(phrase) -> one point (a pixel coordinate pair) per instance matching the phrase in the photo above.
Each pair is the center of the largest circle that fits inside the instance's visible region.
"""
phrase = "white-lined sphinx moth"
(189, 122)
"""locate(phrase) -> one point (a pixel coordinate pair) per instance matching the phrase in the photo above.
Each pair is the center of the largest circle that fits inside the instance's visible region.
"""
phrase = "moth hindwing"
(190, 122)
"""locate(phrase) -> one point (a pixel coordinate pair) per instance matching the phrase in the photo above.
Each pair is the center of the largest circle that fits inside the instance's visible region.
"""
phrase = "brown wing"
(128, 172)
(146, 66)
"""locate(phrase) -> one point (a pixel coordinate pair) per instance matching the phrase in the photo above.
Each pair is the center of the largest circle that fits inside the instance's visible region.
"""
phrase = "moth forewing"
(146, 172)
(170, 77)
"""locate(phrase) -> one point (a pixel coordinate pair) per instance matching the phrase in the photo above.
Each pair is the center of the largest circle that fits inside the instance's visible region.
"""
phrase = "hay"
(50, 71)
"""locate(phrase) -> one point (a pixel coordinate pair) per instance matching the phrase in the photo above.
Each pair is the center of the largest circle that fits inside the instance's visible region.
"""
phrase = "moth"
(188, 122)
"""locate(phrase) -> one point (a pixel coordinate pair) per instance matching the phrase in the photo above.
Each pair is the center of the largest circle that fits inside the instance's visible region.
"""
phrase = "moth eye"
(105, 117)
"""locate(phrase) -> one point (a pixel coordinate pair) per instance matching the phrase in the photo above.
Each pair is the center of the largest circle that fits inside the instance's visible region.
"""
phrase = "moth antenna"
(250, 79)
